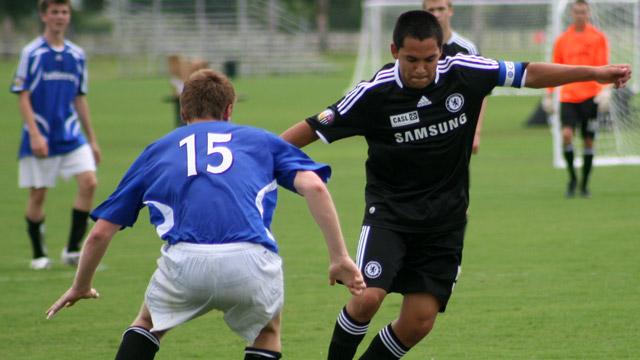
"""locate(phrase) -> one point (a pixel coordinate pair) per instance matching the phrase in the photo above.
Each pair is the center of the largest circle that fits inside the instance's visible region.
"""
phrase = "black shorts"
(584, 114)
(405, 262)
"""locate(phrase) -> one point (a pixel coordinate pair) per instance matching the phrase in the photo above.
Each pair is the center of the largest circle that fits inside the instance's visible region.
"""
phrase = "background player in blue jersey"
(211, 192)
(51, 81)
(419, 117)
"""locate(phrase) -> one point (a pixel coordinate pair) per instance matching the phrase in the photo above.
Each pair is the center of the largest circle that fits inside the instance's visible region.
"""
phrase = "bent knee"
(88, 184)
(424, 326)
(411, 333)
(37, 196)
(363, 307)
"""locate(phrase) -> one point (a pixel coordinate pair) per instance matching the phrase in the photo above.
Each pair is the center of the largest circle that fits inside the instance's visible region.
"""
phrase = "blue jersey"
(210, 182)
(54, 77)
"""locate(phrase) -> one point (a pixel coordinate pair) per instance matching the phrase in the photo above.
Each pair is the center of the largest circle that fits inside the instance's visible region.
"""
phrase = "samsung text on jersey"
(431, 130)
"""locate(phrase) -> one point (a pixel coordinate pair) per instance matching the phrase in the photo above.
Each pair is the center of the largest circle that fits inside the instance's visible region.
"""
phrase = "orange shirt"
(588, 47)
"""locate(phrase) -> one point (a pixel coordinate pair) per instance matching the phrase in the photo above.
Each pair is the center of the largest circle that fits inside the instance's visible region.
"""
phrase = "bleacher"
(256, 36)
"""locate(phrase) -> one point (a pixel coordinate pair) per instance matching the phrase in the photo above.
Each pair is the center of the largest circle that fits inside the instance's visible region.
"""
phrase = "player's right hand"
(39, 146)
(346, 272)
(69, 298)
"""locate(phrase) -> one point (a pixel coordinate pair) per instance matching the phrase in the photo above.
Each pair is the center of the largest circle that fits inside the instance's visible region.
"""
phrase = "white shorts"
(243, 280)
(38, 173)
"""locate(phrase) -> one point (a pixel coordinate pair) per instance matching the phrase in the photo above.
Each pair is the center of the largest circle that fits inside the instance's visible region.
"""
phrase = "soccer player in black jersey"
(453, 44)
(418, 116)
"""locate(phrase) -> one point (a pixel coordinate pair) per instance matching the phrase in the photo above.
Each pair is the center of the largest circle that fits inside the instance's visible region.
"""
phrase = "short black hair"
(418, 24)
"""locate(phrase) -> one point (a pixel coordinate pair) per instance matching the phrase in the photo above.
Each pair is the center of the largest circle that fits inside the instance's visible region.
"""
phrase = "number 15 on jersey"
(213, 147)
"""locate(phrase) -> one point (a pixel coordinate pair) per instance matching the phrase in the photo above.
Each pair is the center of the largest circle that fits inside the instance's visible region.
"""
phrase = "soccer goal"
(618, 138)
(521, 30)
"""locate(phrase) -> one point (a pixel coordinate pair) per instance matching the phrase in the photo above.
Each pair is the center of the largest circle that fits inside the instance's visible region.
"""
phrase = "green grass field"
(543, 277)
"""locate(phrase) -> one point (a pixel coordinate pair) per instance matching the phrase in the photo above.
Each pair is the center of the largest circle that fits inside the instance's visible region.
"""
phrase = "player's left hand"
(346, 272)
(476, 144)
(618, 75)
(69, 298)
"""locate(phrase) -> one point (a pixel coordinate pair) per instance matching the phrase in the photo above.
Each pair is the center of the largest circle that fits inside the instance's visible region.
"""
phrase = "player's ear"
(183, 117)
(227, 112)
(394, 50)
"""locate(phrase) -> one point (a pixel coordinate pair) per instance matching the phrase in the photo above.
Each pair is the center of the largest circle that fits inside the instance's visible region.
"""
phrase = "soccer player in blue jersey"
(418, 116)
(211, 192)
(51, 82)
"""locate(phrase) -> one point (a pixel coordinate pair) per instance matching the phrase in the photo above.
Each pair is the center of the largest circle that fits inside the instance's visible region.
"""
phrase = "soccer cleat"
(41, 263)
(571, 189)
(70, 258)
(585, 193)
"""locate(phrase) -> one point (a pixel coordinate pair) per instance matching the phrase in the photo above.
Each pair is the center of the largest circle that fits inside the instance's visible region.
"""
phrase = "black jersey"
(419, 140)
(458, 45)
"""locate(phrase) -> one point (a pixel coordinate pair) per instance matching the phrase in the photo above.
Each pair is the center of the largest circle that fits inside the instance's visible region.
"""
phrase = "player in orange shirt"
(581, 44)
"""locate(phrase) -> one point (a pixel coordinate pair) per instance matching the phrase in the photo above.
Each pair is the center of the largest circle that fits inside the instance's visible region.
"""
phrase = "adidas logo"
(424, 102)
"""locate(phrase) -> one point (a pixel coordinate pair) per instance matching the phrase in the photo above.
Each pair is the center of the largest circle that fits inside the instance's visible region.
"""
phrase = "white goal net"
(524, 30)
(618, 137)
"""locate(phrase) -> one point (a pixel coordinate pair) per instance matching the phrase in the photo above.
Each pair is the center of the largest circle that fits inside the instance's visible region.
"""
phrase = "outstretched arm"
(92, 252)
(320, 204)
(541, 75)
(300, 134)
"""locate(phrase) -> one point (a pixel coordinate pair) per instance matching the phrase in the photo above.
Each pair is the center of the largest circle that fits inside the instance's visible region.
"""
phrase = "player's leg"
(589, 129)
(37, 175)
(568, 119)
(587, 167)
(427, 278)
(417, 317)
(267, 345)
(138, 342)
(80, 164)
(35, 227)
(87, 183)
(379, 257)
(352, 323)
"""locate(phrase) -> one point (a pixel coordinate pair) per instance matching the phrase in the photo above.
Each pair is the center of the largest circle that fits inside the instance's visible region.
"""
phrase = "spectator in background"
(180, 69)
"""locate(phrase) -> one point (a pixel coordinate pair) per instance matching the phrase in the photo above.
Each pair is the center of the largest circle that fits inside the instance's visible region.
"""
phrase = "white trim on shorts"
(37, 173)
(243, 280)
